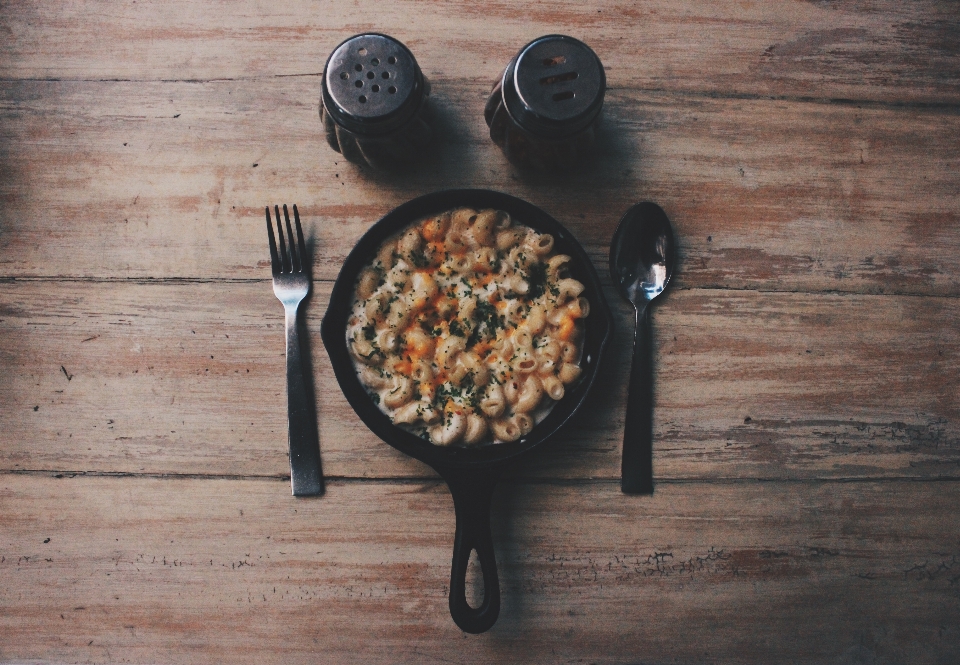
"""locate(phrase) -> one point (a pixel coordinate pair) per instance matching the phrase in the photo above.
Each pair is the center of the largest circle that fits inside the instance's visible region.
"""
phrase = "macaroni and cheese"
(465, 327)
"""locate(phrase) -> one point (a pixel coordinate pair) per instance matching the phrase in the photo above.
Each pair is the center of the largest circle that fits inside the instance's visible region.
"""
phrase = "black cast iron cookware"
(470, 473)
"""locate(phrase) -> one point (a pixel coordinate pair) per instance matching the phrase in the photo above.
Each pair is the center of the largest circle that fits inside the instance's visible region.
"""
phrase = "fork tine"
(284, 258)
(295, 260)
(275, 265)
(301, 245)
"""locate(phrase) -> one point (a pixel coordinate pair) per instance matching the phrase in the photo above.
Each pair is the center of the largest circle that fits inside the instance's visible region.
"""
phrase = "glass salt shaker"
(374, 101)
(543, 111)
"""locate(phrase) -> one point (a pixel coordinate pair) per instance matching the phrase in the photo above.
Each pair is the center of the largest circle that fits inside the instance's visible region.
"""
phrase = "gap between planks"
(952, 108)
(511, 480)
(52, 279)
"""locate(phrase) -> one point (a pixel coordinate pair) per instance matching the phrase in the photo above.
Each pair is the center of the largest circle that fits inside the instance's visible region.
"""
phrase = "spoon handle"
(636, 475)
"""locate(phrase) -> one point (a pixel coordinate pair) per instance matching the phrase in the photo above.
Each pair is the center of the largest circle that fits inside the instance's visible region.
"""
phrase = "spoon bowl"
(642, 260)
(642, 254)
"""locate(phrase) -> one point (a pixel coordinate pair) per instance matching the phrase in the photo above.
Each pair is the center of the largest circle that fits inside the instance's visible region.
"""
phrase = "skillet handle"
(472, 493)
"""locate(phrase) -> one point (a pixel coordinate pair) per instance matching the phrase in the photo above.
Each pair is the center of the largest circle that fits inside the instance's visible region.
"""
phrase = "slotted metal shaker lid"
(555, 86)
(372, 84)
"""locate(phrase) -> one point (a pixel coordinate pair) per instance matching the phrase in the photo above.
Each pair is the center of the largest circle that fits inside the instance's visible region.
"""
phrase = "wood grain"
(807, 441)
(188, 378)
(882, 50)
(810, 197)
(99, 569)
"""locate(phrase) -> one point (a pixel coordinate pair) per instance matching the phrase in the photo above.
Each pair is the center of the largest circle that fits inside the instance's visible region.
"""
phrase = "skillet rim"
(598, 328)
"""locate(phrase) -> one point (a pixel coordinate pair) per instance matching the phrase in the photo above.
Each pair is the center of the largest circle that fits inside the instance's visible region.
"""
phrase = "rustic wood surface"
(807, 418)
(234, 570)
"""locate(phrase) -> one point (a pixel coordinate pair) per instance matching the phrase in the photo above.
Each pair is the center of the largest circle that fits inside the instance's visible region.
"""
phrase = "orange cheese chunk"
(567, 326)
(433, 229)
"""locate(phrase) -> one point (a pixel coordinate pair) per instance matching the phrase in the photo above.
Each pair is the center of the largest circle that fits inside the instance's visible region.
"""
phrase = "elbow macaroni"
(465, 327)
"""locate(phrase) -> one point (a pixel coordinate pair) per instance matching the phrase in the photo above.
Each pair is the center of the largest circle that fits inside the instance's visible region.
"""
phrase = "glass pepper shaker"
(543, 111)
(373, 102)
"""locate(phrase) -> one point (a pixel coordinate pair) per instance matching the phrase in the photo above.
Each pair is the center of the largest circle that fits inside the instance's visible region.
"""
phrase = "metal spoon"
(642, 257)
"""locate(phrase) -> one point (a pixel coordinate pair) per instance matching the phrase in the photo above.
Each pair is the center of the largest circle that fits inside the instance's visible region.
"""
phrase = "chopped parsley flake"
(419, 259)
(537, 278)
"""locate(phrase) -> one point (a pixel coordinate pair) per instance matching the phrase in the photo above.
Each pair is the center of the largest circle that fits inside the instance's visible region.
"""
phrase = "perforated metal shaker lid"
(372, 84)
(555, 86)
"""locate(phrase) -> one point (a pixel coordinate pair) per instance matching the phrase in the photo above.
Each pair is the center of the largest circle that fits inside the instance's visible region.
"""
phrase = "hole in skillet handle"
(474, 583)
(470, 473)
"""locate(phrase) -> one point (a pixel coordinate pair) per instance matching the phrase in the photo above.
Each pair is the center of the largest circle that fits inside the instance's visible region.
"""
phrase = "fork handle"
(304, 440)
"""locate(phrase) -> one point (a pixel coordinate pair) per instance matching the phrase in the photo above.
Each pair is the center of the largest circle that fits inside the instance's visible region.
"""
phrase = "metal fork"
(291, 283)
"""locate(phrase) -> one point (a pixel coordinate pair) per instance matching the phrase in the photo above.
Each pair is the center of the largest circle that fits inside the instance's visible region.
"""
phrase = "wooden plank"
(97, 569)
(169, 180)
(884, 50)
(188, 378)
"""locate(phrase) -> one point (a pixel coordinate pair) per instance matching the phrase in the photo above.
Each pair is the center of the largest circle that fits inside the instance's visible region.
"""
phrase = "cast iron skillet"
(470, 473)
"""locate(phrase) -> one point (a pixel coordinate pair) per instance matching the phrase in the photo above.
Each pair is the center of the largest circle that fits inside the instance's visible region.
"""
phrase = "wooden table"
(808, 354)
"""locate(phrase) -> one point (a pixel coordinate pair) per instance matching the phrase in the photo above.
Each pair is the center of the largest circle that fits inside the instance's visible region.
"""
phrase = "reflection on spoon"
(642, 258)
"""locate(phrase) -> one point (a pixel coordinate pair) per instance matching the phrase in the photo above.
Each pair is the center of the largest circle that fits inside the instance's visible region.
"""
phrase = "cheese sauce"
(465, 327)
